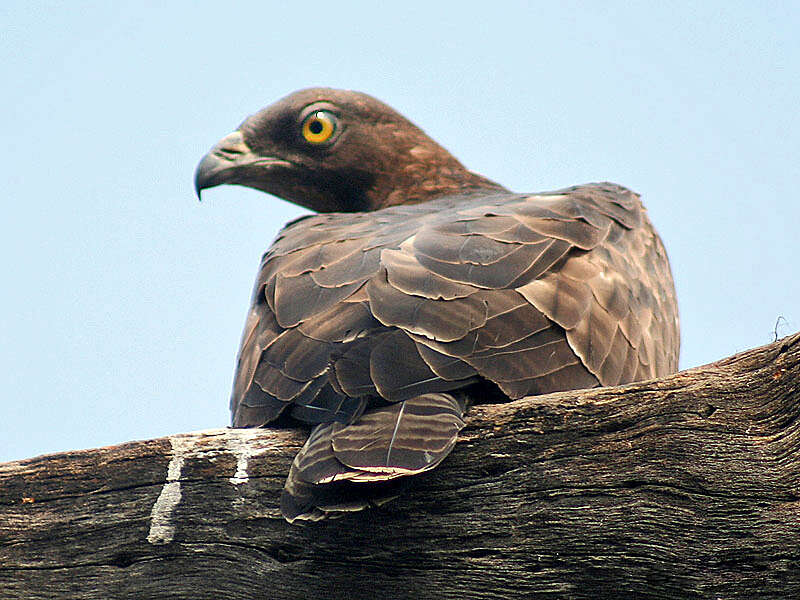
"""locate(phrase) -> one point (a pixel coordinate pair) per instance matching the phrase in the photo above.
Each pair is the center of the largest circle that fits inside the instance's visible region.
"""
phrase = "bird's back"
(532, 294)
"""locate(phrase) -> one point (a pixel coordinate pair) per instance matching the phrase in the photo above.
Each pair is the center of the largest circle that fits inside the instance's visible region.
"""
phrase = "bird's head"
(336, 150)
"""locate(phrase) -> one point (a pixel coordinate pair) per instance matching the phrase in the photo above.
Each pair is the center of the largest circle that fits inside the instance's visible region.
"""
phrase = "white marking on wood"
(162, 529)
(243, 447)
(241, 476)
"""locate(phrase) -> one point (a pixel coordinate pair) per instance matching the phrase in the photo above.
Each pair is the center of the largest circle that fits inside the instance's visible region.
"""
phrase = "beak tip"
(205, 174)
(219, 164)
(198, 185)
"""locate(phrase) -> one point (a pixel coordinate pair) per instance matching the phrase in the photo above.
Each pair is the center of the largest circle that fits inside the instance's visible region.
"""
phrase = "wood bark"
(683, 487)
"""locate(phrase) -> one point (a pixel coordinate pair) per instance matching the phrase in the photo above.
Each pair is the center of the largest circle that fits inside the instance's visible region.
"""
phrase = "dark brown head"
(336, 150)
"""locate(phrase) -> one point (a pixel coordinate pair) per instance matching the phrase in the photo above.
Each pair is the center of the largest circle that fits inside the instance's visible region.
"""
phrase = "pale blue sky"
(124, 298)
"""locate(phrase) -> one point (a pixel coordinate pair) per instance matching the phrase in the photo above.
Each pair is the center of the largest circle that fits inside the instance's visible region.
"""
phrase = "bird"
(417, 288)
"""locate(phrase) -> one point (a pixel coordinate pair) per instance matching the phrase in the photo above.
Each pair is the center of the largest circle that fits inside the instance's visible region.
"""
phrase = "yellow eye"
(319, 126)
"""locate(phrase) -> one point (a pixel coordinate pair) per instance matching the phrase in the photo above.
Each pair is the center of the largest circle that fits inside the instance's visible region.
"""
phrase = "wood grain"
(683, 487)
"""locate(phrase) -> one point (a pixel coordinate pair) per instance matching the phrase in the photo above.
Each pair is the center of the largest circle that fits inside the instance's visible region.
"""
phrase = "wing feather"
(534, 293)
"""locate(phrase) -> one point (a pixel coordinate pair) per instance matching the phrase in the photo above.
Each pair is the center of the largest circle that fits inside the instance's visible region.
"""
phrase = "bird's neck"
(425, 178)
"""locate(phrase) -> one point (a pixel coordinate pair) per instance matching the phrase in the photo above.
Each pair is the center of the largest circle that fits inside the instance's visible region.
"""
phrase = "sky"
(123, 297)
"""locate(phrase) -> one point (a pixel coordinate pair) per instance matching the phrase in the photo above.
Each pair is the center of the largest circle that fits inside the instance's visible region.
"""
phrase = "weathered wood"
(685, 487)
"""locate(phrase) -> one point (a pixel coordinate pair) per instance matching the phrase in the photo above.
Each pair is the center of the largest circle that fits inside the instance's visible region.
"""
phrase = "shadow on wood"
(684, 487)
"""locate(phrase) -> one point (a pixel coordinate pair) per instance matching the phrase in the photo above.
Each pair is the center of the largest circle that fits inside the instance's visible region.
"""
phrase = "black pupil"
(315, 127)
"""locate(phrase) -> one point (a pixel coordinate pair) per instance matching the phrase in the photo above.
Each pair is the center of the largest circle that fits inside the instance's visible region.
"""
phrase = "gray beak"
(232, 161)
(218, 165)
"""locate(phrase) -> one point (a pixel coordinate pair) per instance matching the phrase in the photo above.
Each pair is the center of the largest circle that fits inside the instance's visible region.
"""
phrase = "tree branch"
(684, 487)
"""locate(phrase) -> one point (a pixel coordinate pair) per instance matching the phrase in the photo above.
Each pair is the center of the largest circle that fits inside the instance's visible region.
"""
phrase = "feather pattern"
(422, 287)
(532, 293)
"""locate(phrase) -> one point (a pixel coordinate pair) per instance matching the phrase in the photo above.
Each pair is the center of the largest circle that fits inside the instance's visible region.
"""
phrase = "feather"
(420, 287)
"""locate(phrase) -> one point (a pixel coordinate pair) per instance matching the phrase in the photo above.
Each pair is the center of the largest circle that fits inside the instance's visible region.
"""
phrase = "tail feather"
(343, 468)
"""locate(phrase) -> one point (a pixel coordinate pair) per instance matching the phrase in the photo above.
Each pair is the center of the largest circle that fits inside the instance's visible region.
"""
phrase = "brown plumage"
(422, 288)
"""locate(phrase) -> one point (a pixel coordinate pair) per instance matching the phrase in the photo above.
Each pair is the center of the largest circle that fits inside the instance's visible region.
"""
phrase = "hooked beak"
(232, 161)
